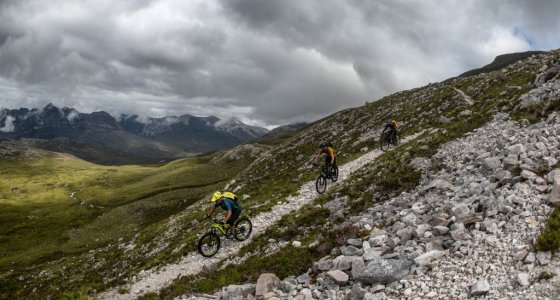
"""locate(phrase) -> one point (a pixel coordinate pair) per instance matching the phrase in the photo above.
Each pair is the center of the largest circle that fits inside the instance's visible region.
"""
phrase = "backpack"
(330, 145)
(231, 196)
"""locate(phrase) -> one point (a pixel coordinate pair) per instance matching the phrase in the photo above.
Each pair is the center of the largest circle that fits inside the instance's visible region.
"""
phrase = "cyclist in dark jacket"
(393, 127)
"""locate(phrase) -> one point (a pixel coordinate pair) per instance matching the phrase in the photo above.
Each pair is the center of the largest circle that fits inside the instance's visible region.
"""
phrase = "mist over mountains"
(102, 138)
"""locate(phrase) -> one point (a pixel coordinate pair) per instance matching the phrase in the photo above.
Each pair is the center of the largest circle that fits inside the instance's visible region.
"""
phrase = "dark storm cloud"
(268, 62)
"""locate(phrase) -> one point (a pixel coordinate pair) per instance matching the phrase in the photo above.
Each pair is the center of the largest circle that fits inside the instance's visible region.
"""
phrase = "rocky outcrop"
(266, 283)
(547, 91)
(466, 231)
(554, 198)
(235, 291)
(380, 270)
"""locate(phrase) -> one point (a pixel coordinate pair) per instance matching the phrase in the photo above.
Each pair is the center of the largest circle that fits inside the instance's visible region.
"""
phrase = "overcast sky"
(266, 62)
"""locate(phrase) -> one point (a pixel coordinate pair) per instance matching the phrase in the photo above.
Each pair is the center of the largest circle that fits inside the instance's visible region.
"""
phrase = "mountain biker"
(228, 204)
(393, 127)
(330, 158)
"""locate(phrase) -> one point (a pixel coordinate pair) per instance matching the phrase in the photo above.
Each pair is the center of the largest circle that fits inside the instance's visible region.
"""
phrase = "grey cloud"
(8, 124)
(268, 62)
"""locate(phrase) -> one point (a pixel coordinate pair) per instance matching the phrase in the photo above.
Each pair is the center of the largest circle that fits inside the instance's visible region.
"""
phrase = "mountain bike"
(389, 140)
(209, 243)
(327, 172)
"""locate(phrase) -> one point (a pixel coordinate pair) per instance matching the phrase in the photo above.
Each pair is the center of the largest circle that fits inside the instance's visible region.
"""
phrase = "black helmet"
(321, 145)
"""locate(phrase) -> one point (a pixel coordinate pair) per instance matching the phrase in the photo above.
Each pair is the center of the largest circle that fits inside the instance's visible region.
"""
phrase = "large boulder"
(515, 149)
(325, 265)
(339, 277)
(554, 197)
(523, 279)
(427, 257)
(234, 291)
(357, 293)
(480, 287)
(384, 271)
(343, 263)
(266, 283)
(544, 257)
(358, 266)
(457, 231)
(460, 210)
(493, 163)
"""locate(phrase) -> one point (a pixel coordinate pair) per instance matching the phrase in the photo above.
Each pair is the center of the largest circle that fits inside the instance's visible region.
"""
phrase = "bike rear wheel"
(209, 244)
(243, 228)
(321, 184)
(397, 139)
(334, 173)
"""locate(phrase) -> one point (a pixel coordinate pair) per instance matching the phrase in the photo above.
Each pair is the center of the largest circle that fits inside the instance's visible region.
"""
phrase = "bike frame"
(218, 229)
(324, 171)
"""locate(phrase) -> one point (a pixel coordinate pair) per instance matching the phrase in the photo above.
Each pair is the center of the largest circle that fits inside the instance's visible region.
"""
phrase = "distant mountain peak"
(50, 108)
(233, 121)
(501, 61)
(227, 130)
(50, 105)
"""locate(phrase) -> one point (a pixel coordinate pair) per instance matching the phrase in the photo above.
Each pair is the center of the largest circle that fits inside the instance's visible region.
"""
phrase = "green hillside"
(122, 220)
(55, 209)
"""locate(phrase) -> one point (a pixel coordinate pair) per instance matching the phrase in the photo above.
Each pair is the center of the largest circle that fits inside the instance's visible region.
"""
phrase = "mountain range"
(102, 138)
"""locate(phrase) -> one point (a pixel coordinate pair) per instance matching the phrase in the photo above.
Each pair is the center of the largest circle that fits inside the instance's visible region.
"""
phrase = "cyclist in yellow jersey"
(228, 202)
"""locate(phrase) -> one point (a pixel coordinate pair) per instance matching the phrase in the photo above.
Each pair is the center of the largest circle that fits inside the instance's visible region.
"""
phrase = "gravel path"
(193, 263)
(466, 97)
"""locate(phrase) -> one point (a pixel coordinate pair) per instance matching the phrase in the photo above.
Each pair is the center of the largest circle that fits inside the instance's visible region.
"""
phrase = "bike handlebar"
(212, 219)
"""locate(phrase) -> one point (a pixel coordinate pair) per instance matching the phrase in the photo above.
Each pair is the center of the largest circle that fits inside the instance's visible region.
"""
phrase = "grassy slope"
(55, 209)
(274, 176)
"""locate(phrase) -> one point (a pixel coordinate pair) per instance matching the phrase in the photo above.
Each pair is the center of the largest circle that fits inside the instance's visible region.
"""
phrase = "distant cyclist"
(393, 127)
(227, 201)
(330, 158)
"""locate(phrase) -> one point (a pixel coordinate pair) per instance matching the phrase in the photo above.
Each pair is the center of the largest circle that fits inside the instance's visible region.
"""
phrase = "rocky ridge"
(467, 230)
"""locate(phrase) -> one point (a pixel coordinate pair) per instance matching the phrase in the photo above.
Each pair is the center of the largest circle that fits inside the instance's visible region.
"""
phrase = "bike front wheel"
(209, 244)
(321, 184)
(243, 228)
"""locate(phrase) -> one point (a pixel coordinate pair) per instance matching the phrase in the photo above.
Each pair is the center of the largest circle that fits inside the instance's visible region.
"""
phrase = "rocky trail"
(465, 97)
(466, 231)
(193, 263)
